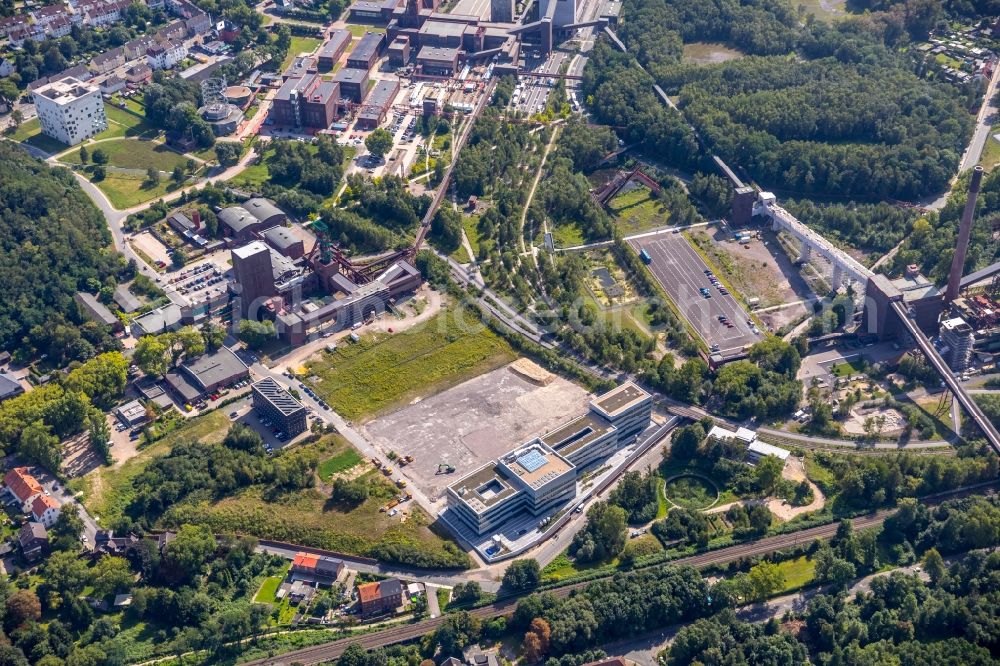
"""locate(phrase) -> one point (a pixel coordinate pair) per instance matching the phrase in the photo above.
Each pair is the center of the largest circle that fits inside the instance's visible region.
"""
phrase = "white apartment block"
(70, 111)
(164, 55)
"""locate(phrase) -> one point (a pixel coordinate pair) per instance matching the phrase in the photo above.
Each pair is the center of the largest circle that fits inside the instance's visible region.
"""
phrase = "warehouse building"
(377, 106)
(244, 223)
(94, 310)
(285, 241)
(540, 476)
(367, 51)
(334, 47)
(354, 84)
(198, 378)
(437, 61)
(373, 10)
(273, 402)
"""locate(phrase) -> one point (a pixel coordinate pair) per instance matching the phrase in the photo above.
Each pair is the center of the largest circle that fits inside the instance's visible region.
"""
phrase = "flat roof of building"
(65, 90)
(336, 41)
(955, 324)
(350, 75)
(915, 287)
(484, 488)
(576, 434)
(368, 46)
(250, 249)
(535, 464)
(443, 29)
(215, 367)
(764, 449)
(620, 399)
(382, 95)
(437, 54)
(276, 394)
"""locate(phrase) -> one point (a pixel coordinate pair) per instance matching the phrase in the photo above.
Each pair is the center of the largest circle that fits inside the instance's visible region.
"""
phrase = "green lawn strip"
(299, 45)
(471, 225)
(341, 462)
(563, 567)
(360, 30)
(443, 597)
(267, 594)
(847, 368)
(26, 130)
(385, 370)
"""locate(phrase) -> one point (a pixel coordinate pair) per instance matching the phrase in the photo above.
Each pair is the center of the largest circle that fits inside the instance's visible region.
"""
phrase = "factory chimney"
(964, 230)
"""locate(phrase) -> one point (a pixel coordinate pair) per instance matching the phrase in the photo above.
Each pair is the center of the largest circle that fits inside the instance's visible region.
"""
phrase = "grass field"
(30, 132)
(798, 573)
(299, 45)
(108, 490)
(133, 154)
(567, 235)
(636, 210)
(126, 123)
(849, 367)
(991, 153)
(360, 30)
(385, 370)
(125, 191)
(311, 518)
(470, 223)
(26, 130)
(341, 462)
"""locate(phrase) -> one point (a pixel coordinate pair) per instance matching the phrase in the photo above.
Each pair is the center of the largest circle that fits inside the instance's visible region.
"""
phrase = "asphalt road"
(681, 272)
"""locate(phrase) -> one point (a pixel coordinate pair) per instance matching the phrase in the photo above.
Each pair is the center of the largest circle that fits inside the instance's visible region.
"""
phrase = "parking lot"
(683, 274)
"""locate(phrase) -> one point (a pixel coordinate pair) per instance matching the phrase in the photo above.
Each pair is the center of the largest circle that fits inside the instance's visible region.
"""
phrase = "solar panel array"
(532, 460)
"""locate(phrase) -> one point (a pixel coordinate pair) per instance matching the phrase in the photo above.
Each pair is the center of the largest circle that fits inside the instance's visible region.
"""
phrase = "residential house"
(112, 84)
(7, 67)
(139, 75)
(22, 486)
(198, 24)
(317, 566)
(9, 387)
(45, 510)
(108, 61)
(137, 47)
(384, 596)
(164, 55)
(33, 540)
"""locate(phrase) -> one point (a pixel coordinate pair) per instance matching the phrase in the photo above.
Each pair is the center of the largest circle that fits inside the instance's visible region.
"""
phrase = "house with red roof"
(22, 486)
(45, 510)
(319, 568)
(384, 596)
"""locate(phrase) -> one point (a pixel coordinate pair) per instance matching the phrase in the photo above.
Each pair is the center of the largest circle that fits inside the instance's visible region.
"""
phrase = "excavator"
(445, 468)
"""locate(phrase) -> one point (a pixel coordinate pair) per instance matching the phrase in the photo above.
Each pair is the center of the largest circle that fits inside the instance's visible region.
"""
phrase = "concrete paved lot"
(681, 271)
(472, 423)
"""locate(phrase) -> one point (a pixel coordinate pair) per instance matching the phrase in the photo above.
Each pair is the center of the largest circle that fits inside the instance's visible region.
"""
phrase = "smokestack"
(964, 230)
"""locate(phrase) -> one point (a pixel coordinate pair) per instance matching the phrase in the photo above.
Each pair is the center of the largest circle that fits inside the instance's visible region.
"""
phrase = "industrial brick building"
(540, 476)
(437, 61)
(307, 101)
(367, 51)
(376, 107)
(272, 401)
(354, 84)
(331, 50)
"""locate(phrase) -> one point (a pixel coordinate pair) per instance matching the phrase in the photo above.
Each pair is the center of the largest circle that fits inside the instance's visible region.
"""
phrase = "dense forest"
(812, 109)
(53, 243)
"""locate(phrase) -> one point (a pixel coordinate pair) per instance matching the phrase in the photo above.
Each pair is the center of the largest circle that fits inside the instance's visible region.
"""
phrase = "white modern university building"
(70, 110)
(539, 477)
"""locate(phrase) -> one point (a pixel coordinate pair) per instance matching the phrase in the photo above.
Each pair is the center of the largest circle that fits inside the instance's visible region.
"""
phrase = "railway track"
(401, 634)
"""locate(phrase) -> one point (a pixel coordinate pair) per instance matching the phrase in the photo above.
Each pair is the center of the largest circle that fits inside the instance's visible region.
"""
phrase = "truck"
(644, 255)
